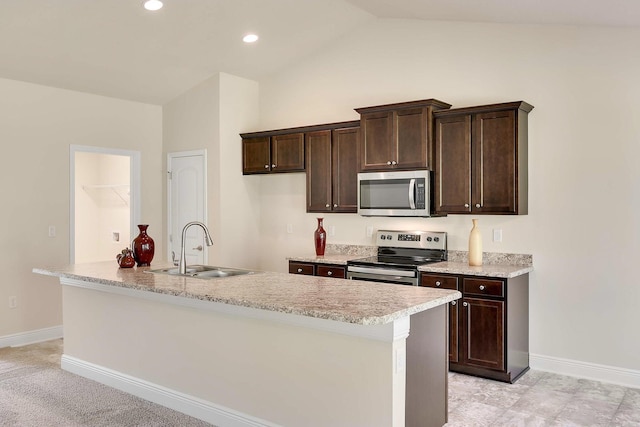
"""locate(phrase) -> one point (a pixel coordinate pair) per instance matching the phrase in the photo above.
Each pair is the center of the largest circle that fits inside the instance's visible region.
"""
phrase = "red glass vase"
(320, 237)
(143, 247)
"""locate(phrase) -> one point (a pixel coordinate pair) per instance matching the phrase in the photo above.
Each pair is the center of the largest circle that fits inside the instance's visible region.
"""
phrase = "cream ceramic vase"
(475, 244)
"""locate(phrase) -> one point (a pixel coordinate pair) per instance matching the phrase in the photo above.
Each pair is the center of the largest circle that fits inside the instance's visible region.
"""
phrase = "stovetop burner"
(406, 249)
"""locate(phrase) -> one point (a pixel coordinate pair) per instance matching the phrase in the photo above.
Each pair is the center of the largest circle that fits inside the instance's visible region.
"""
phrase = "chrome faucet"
(183, 262)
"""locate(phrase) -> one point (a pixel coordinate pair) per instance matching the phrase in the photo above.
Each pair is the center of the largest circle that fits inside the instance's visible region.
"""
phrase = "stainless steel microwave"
(402, 193)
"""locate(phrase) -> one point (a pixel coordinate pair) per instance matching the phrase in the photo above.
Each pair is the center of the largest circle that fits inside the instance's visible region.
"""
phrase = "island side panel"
(281, 373)
(427, 368)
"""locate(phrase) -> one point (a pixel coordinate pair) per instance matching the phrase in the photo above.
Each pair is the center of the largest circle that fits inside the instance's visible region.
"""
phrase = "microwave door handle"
(412, 193)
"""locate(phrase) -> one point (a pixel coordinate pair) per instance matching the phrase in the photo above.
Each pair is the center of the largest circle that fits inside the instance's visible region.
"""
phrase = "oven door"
(383, 275)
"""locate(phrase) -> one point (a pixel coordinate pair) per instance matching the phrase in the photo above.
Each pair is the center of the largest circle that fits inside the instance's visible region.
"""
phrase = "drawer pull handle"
(438, 283)
(453, 302)
(329, 273)
(482, 287)
(465, 303)
(299, 270)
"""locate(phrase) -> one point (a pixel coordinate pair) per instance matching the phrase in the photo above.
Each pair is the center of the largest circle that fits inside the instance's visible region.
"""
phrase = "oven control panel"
(412, 239)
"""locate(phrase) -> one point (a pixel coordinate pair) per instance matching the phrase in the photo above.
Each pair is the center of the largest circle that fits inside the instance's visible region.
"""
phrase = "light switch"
(497, 235)
(52, 231)
(369, 230)
(289, 228)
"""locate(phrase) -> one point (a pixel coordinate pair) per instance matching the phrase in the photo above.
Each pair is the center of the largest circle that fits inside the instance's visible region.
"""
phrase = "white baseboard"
(591, 371)
(190, 405)
(31, 337)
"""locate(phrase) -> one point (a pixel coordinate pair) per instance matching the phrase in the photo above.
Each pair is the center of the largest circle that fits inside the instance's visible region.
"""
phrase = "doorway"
(186, 202)
(104, 198)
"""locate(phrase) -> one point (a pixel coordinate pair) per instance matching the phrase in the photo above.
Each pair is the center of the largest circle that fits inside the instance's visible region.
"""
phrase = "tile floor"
(540, 399)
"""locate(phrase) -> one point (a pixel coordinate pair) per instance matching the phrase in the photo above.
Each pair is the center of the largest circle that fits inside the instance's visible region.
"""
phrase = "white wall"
(583, 148)
(37, 126)
(210, 116)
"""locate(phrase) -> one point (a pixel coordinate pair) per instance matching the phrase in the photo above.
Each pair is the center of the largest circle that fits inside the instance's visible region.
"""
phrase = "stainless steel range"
(400, 253)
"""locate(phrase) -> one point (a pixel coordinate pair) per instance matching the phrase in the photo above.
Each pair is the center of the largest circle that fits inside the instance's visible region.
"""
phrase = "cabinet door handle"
(482, 287)
(335, 205)
(438, 283)
(389, 163)
(453, 302)
(478, 205)
(329, 273)
(327, 205)
(273, 166)
(466, 205)
(465, 303)
(299, 270)
(393, 162)
(266, 166)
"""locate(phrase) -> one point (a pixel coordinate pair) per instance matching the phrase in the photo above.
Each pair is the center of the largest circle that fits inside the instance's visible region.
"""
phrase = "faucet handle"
(173, 259)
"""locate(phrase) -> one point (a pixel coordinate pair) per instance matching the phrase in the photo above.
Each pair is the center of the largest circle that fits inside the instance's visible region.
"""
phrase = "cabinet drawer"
(489, 287)
(434, 281)
(301, 268)
(330, 271)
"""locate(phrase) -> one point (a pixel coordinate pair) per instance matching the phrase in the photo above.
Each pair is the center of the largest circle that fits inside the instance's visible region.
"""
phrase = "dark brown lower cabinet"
(488, 326)
(318, 269)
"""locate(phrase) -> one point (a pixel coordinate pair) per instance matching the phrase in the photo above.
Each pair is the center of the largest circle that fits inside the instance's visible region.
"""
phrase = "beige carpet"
(34, 391)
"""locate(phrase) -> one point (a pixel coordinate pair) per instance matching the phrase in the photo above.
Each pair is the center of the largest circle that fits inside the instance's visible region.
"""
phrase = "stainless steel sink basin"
(202, 271)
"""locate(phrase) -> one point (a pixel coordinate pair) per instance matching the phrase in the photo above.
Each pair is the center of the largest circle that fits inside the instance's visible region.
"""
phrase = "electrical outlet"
(332, 230)
(369, 230)
(289, 229)
(115, 236)
(13, 301)
(497, 235)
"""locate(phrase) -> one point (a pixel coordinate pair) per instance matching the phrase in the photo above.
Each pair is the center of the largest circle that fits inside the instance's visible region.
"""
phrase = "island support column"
(427, 368)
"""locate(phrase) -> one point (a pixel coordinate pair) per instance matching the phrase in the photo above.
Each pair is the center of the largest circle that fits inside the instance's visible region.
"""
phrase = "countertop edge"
(343, 316)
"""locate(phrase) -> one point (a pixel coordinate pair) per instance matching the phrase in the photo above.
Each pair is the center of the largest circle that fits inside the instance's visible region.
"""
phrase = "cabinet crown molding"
(520, 105)
(436, 104)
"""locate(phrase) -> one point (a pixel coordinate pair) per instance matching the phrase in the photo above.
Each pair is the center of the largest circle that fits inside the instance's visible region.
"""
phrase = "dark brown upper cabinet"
(481, 163)
(276, 153)
(332, 169)
(398, 136)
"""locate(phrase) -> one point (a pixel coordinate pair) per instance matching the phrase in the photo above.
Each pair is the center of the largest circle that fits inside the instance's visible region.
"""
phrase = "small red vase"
(320, 237)
(143, 247)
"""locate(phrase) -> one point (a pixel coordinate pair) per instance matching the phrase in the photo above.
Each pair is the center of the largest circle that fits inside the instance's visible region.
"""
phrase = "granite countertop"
(338, 259)
(349, 301)
(499, 265)
(505, 271)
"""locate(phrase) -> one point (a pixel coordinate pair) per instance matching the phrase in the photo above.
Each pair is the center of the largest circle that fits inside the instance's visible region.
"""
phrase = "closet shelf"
(102, 191)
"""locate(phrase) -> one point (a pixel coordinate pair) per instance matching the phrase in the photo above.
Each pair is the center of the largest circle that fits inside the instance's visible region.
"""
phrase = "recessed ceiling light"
(153, 4)
(250, 38)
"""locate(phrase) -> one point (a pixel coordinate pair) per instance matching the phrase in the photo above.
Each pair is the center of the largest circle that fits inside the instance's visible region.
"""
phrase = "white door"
(187, 201)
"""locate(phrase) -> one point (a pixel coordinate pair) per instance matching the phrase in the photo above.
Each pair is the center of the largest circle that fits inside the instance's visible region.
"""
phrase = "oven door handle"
(386, 278)
(412, 193)
(381, 271)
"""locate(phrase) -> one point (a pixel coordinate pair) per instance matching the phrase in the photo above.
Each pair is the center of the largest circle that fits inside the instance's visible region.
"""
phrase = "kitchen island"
(262, 349)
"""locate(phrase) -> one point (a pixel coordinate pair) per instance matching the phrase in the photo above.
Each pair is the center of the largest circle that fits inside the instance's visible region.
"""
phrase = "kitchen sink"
(202, 271)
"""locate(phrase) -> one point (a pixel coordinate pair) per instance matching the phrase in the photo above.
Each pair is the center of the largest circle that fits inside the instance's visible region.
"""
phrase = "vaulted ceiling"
(116, 48)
